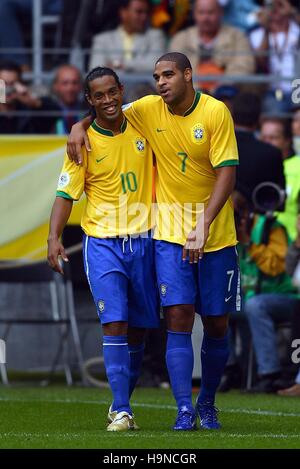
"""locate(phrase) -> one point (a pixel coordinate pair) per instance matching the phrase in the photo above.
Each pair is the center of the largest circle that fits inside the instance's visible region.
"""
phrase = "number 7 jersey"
(117, 177)
(188, 150)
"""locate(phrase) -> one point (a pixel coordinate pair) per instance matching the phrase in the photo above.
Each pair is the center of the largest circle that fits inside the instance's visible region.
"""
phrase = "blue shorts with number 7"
(212, 285)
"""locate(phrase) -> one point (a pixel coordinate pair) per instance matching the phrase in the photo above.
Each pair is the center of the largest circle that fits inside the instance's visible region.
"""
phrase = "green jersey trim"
(192, 107)
(64, 195)
(107, 132)
(227, 163)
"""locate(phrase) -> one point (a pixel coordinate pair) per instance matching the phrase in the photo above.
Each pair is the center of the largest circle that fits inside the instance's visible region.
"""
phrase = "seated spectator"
(11, 35)
(170, 15)
(242, 15)
(276, 42)
(212, 47)
(259, 161)
(17, 113)
(292, 261)
(67, 89)
(277, 132)
(133, 46)
(270, 297)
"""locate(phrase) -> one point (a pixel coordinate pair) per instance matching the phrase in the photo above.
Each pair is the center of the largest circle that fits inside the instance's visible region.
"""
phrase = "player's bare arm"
(223, 188)
(77, 138)
(61, 211)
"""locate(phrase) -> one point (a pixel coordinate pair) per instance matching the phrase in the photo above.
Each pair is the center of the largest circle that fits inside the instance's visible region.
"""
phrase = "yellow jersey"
(117, 178)
(188, 149)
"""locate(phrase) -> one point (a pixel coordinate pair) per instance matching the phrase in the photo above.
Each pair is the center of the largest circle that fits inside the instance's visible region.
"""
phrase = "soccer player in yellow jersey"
(193, 139)
(117, 244)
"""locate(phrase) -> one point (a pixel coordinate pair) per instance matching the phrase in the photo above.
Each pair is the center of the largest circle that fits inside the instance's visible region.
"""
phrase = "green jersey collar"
(192, 107)
(107, 132)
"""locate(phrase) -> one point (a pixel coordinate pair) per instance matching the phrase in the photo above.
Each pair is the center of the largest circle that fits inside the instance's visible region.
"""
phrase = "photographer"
(17, 114)
(270, 297)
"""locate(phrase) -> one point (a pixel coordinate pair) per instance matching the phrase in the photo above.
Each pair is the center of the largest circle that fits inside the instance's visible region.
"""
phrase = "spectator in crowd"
(259, 161)
(276, 42)
(133, 46)
(242, 15)
(67, 89)
(296, 130)
(12, 13)
(277, 132)
(171, 15)
(213, 47)
(17, 113)
(270, 297)
(292, 263)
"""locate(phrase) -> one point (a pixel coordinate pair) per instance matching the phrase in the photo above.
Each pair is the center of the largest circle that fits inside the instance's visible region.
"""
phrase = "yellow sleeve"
(71, 180)
(270, 258)
(223, 146)
(138, 112)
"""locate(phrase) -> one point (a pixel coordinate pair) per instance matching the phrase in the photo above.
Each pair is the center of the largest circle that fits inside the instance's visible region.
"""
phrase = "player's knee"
(180, 318)
(115, 328)
(216, 326)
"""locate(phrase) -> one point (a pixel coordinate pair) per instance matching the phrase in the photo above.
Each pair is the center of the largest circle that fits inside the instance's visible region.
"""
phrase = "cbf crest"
(139, 145)
(198, 133)
(101, 306)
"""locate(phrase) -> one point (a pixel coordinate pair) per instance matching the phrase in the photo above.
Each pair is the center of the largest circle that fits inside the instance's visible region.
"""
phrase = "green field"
(61, 417)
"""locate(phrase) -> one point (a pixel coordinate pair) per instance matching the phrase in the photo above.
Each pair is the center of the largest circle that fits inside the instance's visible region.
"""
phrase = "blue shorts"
(212, 285)
(121, 275)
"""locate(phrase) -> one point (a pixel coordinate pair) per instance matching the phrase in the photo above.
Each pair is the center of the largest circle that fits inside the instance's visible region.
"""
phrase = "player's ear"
(88, 99)
(188, 74)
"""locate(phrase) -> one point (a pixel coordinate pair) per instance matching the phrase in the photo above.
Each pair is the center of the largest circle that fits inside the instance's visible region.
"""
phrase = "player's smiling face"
(106, 97)
(171, 83)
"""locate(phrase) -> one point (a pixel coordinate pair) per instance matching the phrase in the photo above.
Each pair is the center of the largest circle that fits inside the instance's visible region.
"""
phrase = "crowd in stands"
(221, 38)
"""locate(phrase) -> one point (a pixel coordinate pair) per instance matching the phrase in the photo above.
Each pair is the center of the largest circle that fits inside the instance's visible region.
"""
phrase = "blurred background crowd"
(245, 53)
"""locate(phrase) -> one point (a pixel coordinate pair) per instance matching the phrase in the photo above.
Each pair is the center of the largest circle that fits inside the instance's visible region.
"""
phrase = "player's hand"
(194, 245)
(56, 250)
(76, 139)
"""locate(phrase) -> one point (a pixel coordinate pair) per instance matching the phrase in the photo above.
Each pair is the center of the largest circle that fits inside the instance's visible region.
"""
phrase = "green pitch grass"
(61, 417)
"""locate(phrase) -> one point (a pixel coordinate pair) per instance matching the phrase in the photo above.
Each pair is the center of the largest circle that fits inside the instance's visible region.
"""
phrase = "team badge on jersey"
(163, 289)
(101, 306)
(140, 144)
(63, 180)
(198, 134)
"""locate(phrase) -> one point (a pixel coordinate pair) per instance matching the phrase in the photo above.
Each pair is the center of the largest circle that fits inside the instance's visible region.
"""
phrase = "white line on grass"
(139, 434)
(153, 406)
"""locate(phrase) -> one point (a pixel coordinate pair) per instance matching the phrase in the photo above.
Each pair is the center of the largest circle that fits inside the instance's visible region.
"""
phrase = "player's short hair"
(246, 109)
(181, 60)
(99, 72)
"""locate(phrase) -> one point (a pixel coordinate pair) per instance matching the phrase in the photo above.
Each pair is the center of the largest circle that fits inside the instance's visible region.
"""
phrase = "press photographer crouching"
(268, 294)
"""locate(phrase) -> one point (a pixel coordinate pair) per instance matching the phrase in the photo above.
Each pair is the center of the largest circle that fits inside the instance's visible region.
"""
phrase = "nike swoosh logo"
(98, 161)
(161, 130)
(227, 299)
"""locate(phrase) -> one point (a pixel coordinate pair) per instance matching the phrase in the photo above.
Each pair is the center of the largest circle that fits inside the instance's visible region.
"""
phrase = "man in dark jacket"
(259, 161)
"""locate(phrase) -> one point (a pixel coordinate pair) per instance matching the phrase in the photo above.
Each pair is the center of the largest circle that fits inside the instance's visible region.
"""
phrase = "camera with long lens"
(267, 198)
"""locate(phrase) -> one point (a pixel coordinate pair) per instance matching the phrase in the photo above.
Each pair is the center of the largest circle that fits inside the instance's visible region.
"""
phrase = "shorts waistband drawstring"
(125, 241)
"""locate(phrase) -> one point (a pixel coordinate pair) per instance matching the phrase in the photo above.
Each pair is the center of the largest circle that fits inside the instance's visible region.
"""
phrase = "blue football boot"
(208, 415)
(186, 419)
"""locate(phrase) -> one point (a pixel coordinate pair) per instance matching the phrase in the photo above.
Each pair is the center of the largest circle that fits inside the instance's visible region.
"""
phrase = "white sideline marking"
(153, 406)
(70, 436)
